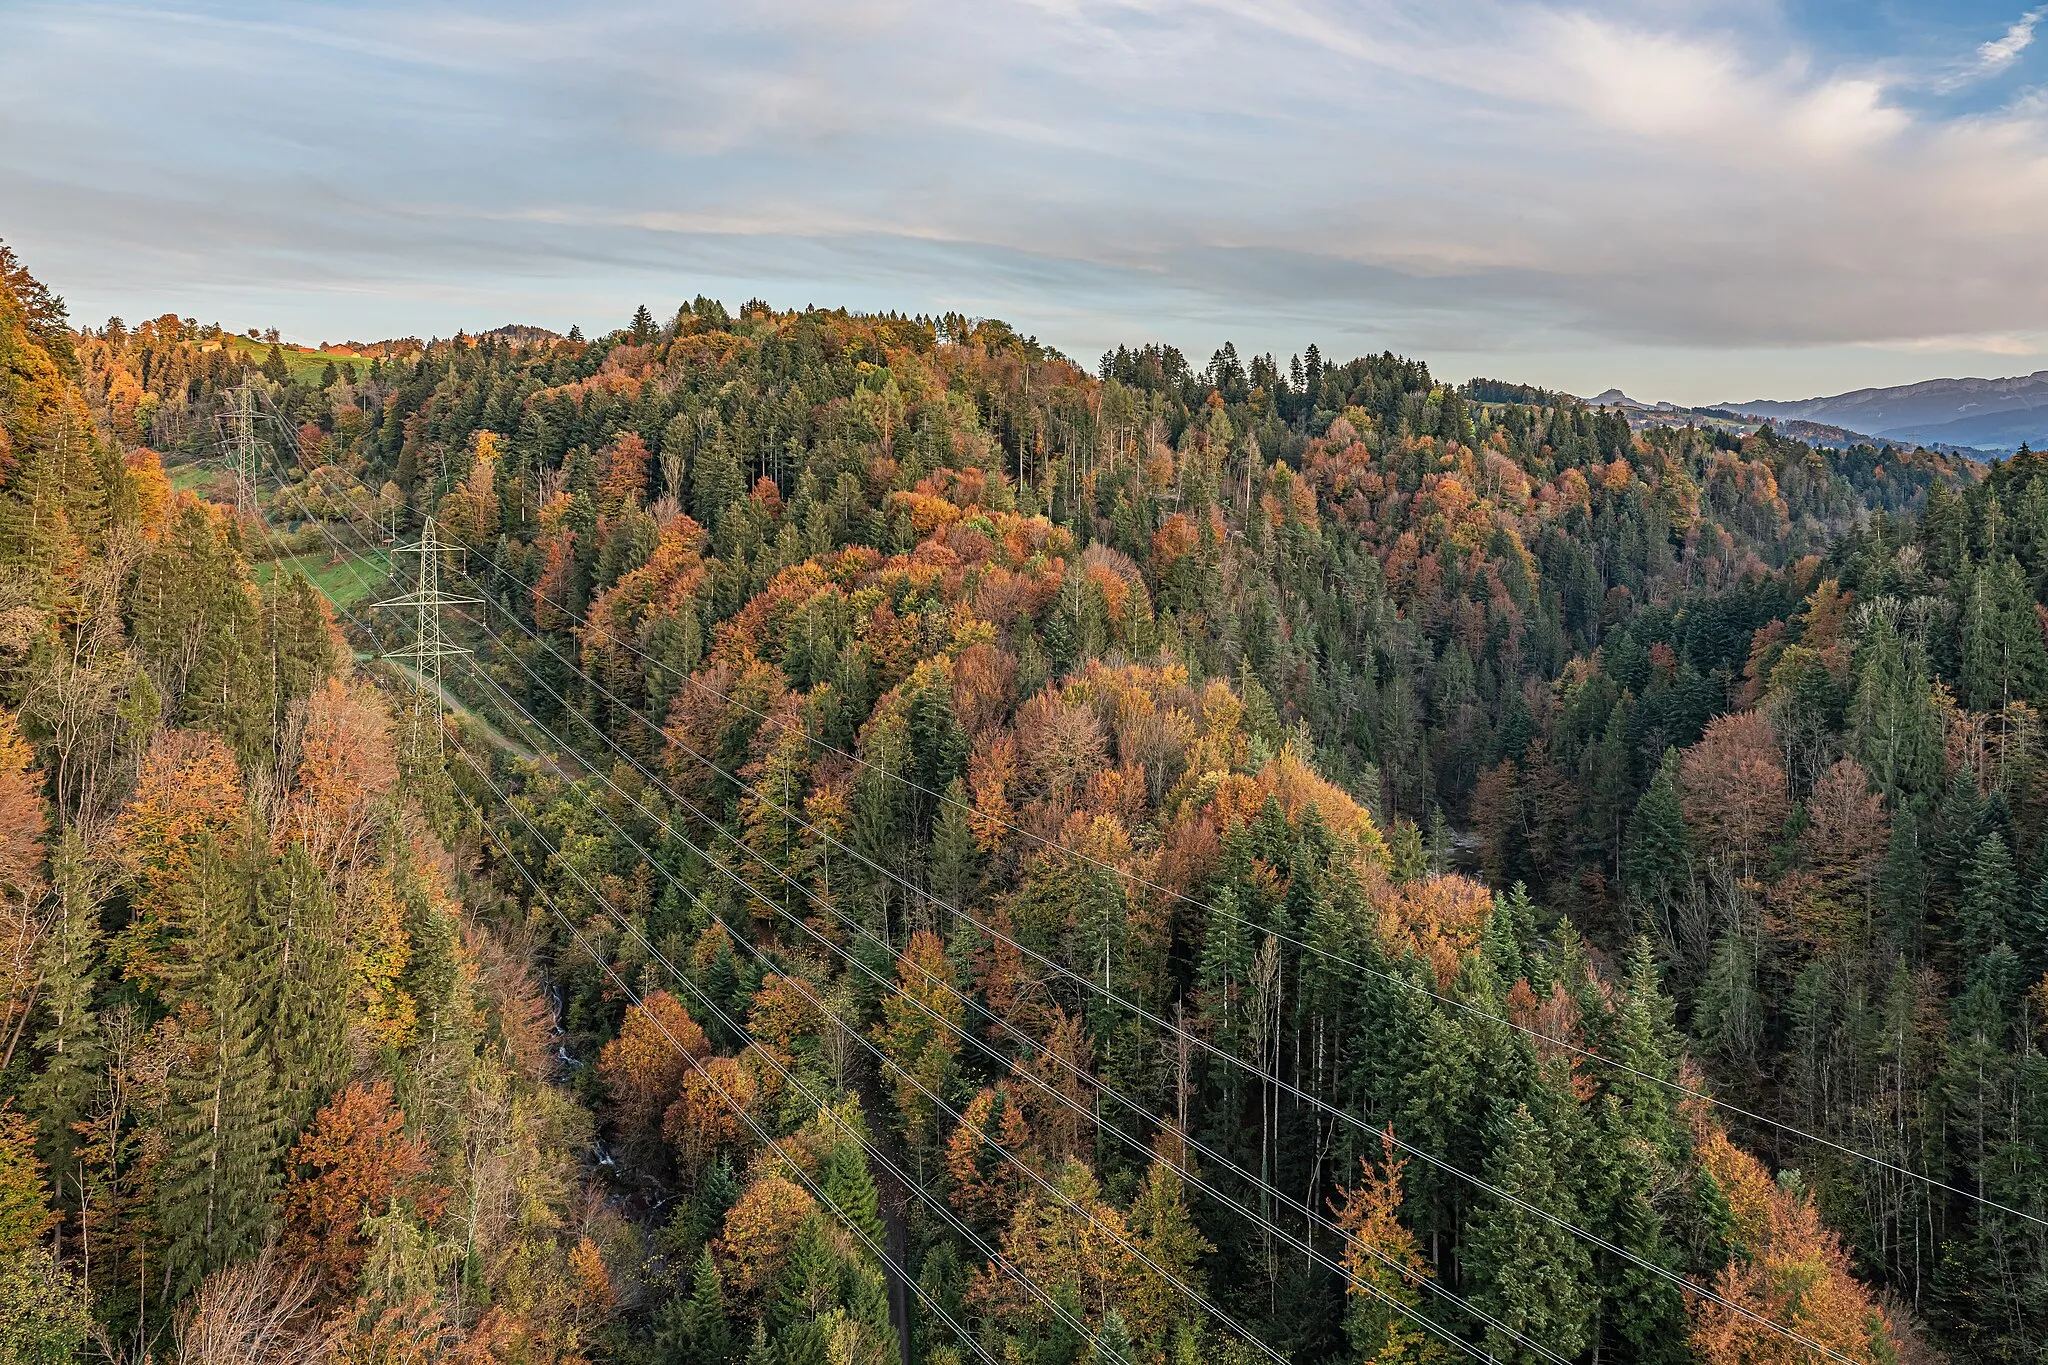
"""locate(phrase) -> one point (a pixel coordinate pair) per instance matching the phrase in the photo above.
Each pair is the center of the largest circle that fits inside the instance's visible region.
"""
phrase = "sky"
(1708, 201)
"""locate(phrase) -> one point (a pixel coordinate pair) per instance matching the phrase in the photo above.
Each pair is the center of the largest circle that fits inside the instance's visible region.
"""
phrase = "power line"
(1594, 1239)
(1391, 978)
(1023, 1166)
(1257, 1070)
(760, 1134)
(810, 1185)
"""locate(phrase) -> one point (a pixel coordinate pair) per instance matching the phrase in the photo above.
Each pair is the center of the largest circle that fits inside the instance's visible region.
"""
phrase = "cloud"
(1996, 55)
(2000, 53)
(1518, 181)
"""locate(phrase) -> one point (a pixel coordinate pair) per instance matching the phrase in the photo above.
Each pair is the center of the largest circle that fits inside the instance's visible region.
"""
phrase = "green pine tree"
(1225, 962)
(1659, 859)
(716, 482)
(1410, 856)
(1990, 890)
(301, 969)
(68, 1043)
(705, 1327)
(220, 1168)
(1113, 1344)
(1530, 1273)
(956, 860)
(808, 1286)
(2003, 656)
(850, 1191)
(1901, 890)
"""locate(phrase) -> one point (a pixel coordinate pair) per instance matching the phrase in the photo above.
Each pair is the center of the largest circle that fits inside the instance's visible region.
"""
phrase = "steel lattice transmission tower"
(240, 446)
(429, 646)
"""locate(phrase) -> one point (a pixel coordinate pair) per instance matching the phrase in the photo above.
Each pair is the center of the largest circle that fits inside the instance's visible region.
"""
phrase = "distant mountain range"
(1641, 414)
(1984, 414)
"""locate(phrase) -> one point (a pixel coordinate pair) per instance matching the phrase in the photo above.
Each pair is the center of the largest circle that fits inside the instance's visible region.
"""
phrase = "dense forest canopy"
(921, 851)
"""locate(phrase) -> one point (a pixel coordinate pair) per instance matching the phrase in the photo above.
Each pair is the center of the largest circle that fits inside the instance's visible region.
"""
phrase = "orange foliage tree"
(355, 1162)
(346, 768)
(1733, 786)
(758, 1232)
(190, 792)
(1788, 1269)
(1384, 1263)
(22, 817)
(644, 1068)
(1072, 1244)
(22, 821)
(703, 1121)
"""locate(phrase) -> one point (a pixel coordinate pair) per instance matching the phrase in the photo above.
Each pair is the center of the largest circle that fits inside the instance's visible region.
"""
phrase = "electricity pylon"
(240, 446)
(429, 646)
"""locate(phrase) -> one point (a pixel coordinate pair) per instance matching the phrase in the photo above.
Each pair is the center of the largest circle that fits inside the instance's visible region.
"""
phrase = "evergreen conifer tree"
(706, 1331)
(850, 1191)
(1659, 851)
(220, 1168)
(956, 860)
(1990, 890)
(68, 1042)
(1530, 1273)
(1113, 1344)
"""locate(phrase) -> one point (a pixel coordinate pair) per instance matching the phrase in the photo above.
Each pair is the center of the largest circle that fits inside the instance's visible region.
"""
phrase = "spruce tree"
(2003, 656)
(1902, 885)
(220, 1168)
(301, 971)
(1225, 962)
(1659, 858)
(808, 1285)
(850, 1191)
(1990, 890)
(1409, 856)
(716, 482)
(68, 1042)
(956, 859)
(705, 1327)
(1529, 1273)
(1646, 1311)
(2030, 930)
(1113, 1344)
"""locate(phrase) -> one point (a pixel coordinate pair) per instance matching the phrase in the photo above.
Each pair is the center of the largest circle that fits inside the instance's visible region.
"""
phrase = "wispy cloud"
(1999, 53)
(1995, 56)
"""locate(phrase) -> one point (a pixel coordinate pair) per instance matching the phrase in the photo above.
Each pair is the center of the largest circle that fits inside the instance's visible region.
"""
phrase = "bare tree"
(249, 1314)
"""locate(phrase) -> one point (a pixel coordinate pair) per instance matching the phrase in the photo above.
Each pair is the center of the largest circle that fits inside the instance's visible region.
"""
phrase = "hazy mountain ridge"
(1985, 413)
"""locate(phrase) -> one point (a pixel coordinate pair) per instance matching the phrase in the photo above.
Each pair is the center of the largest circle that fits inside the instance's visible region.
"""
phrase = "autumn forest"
(775, 837)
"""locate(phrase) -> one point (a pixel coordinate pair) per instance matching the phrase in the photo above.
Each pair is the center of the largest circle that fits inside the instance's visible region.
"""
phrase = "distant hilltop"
(521, 334)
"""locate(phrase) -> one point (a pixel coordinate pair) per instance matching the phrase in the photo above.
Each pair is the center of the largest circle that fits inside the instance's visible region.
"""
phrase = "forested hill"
(1027, 866)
